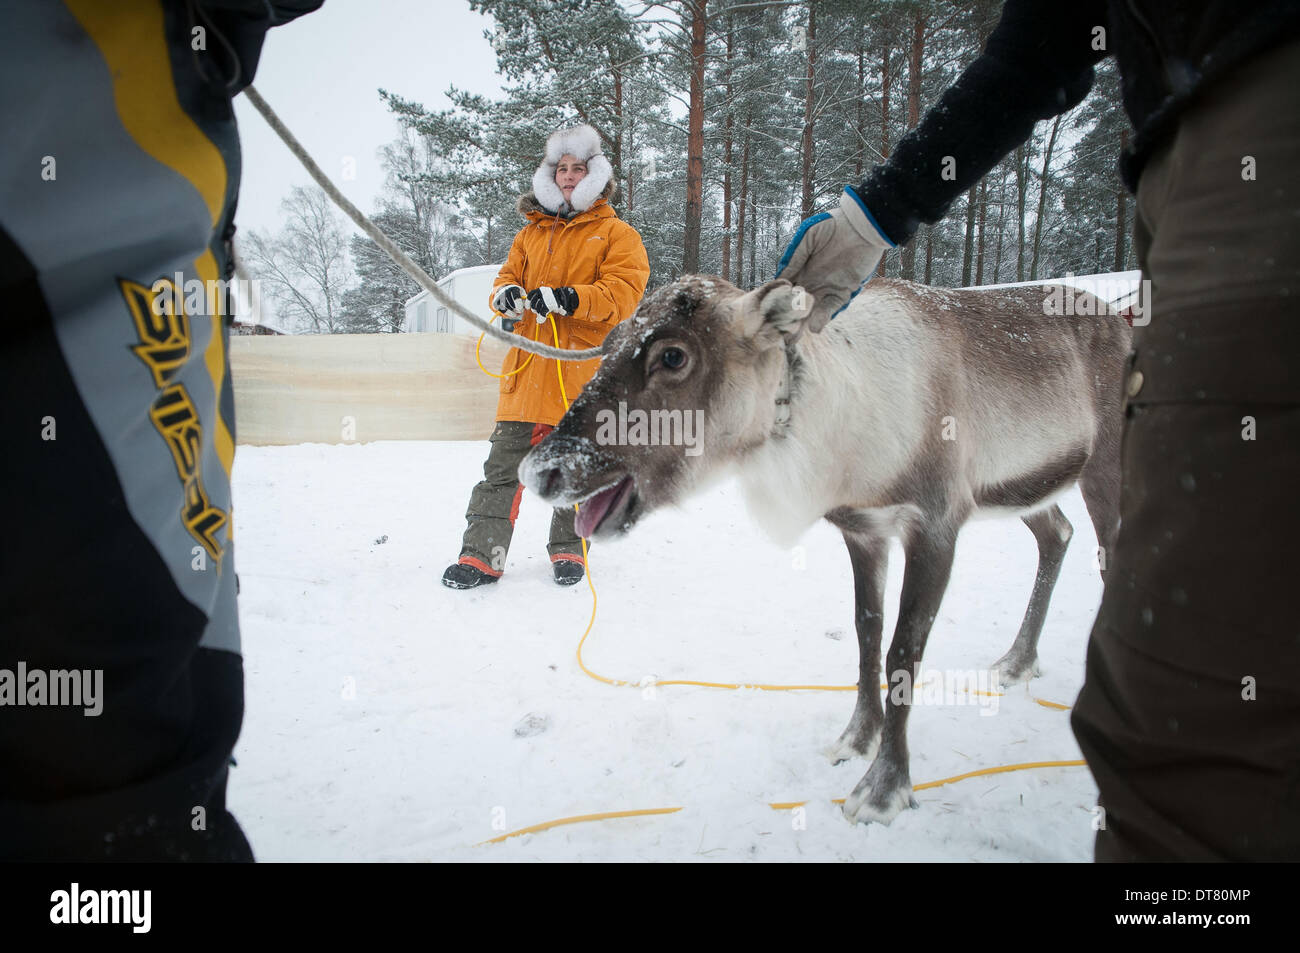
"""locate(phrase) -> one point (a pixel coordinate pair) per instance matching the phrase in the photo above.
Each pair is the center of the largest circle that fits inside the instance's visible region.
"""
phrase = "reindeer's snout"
(560, 469)
(550, 484)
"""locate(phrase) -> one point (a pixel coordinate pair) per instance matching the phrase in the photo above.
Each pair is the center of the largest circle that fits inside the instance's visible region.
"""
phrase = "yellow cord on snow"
(1001, 769)
(778, 805)
(775, 805)
(579, 819)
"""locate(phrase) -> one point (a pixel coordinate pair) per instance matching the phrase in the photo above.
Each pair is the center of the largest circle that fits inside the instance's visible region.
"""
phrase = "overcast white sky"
(321, 74)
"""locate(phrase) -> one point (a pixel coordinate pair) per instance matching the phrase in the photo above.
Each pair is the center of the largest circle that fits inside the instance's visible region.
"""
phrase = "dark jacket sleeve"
(242, 24)
(1037, 63)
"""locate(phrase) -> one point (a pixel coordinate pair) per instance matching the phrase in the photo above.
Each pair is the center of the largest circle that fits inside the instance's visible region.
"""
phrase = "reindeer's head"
(686, 386)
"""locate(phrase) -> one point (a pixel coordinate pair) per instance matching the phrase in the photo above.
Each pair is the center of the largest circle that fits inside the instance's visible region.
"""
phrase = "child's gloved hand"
(509, 300)
(561, 301)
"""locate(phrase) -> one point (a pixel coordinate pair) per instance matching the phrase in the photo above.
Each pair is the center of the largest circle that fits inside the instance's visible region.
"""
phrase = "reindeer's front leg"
(886, 789)
(870, 558)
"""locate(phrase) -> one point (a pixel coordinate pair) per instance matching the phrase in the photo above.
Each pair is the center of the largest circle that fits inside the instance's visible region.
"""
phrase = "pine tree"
(566, 62)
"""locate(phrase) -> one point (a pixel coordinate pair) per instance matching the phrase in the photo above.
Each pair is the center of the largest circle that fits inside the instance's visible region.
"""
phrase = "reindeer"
(914, 410)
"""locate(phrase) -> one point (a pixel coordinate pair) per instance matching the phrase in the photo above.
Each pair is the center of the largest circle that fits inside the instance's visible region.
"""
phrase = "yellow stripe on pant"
(131, 37)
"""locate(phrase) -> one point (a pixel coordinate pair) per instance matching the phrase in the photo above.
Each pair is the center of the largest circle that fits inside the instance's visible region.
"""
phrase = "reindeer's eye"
(670, 357)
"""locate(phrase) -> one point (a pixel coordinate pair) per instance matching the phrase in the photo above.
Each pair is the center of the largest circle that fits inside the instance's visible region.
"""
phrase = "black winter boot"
(567, 571)
(465, 576)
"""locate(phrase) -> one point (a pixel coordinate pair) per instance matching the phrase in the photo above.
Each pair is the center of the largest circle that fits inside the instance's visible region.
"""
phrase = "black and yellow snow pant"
(1190, 711)
(119, 177)
(494, 503)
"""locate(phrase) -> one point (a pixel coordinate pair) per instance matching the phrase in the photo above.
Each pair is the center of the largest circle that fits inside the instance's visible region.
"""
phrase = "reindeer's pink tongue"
(593, 511)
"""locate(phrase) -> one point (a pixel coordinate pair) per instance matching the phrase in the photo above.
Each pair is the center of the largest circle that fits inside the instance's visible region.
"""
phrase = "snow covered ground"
(382, 708)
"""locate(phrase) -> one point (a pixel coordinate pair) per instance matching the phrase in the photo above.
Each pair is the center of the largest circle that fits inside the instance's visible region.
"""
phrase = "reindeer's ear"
(776, 305)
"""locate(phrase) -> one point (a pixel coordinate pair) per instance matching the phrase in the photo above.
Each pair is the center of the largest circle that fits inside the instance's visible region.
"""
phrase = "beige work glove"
(832, 255)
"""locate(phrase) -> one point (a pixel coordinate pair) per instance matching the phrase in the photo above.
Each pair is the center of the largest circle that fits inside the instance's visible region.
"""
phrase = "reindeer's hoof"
(879, 802)
(1014, 669)
(843, 751)
(855, 742)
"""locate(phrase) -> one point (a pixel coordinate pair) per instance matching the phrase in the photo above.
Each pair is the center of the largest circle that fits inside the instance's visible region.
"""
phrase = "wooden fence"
(345, 388)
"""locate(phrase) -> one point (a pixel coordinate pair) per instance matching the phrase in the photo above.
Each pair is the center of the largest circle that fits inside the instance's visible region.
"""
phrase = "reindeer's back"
(1005, 380)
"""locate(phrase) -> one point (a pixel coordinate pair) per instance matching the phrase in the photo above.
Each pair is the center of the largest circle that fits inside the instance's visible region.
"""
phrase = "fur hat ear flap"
(548, 193)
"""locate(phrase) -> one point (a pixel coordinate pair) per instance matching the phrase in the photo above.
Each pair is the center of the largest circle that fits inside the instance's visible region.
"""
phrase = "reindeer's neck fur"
(858, 398)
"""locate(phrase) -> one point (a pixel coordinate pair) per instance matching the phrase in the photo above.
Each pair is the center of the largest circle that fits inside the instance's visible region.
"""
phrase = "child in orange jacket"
(575, 260)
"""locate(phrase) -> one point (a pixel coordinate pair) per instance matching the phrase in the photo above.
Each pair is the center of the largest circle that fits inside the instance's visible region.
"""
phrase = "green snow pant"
(1189, 715)
(494, 503)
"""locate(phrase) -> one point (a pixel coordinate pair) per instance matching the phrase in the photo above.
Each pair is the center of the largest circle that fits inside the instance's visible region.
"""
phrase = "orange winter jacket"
(598, 255)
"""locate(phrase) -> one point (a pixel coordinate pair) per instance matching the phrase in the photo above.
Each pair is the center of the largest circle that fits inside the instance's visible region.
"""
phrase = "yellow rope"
(1000, 769)
(775, 805)
(479, 345)
(579, 819)
(586, 562)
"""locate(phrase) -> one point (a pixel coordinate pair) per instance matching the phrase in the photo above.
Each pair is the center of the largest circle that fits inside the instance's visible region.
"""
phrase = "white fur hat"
(582, 142)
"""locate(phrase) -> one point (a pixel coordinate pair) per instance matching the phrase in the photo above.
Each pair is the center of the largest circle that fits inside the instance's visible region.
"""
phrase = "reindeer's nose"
(554, 468)
(550, 482)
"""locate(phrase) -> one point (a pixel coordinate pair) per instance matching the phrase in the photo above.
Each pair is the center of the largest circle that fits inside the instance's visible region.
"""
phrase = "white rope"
(399, 256)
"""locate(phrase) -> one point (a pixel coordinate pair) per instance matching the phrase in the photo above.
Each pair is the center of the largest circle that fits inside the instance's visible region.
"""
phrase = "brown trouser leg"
(494, 502)
(1190, 710)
